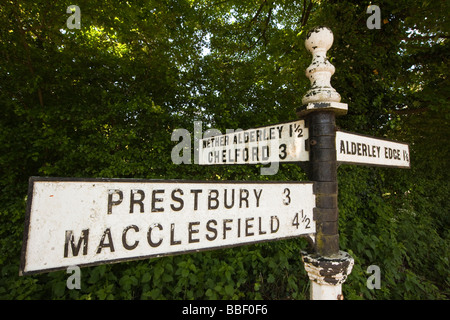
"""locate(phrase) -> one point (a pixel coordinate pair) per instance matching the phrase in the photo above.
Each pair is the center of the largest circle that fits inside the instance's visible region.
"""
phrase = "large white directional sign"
(360, 149)
(284, 142)
(94, 221)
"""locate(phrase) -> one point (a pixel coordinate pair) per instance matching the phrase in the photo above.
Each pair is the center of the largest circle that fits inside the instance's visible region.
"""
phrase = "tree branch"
(306, 12)
(410, 111)
(257, 12)
(266, 24)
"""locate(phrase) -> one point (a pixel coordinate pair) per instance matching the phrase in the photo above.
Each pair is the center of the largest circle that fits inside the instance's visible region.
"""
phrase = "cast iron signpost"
(326, 265)
(94, 221)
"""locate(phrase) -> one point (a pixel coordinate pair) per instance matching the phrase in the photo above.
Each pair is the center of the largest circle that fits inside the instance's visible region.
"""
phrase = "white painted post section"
(325, 291)
(327, 267)
(322, 96)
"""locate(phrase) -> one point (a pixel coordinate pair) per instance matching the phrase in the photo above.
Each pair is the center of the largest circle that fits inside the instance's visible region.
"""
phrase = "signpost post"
(327, 266)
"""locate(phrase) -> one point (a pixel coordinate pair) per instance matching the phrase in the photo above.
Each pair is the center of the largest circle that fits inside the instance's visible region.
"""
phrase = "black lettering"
(237, 154)
(124, 237)
(239, 228)
(191, 230)
(102, 243)
(364, 150)
(211, 229)
(112, 203)
(211, 198)
(272, 228)
(287, 199)
(225, 227)
(257, 196)
(172, 235)
(245, 155)
(260, 230)
(248, 226)
(240, 138)
(155, 199)
(139, 201)
(342, 147)
(196, 192)
(353, 148)
(149, 235)
(230, 156)
(283, 153)
(225, 199)
(373, 151)
(267, 153)
(369, 149)
(255, 153)
(243, 198)
(177, 199)
(210, 157)
(280, 129)
(83, 240)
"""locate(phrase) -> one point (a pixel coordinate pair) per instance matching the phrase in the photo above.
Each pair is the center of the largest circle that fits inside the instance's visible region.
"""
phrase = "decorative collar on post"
(321, 95)
(327, 274)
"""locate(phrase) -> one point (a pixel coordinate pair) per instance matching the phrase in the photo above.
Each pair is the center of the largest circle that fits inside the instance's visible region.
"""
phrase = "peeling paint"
(332, 270)
(318, 41)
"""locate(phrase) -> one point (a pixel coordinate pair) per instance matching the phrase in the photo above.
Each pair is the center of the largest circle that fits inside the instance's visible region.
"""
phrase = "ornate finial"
(318, 41)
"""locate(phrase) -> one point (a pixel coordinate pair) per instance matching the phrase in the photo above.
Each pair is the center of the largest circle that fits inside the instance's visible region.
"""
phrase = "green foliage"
(103, 101)
(386, 231)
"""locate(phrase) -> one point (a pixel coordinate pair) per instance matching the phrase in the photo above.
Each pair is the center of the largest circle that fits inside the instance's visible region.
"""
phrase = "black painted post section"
(323, 171)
